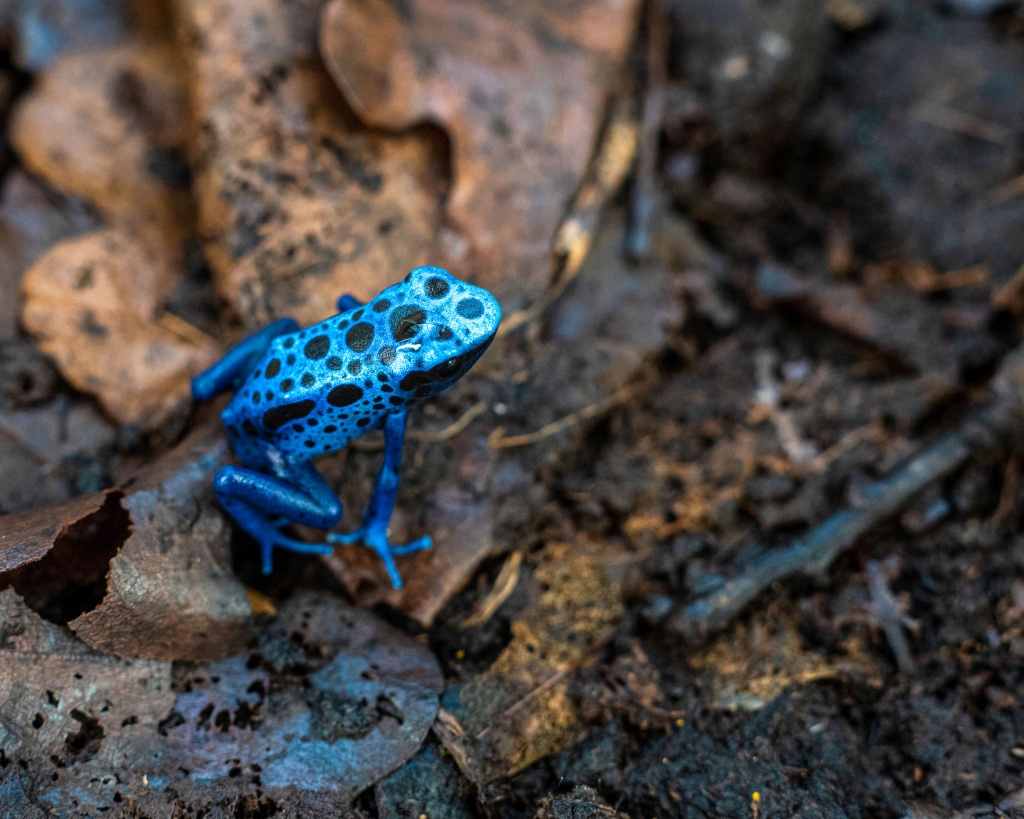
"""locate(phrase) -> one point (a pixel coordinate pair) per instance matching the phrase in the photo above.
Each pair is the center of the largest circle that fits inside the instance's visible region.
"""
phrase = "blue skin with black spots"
(300, 394)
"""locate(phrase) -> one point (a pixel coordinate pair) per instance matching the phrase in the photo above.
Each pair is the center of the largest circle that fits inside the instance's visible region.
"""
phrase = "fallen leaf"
(521, 91)
(94, 304)
(298, 203)
(171, 592)
(749, 668)
(73, 718)
(110, 125)
(429, 784)
(96, 730)
(520, 710)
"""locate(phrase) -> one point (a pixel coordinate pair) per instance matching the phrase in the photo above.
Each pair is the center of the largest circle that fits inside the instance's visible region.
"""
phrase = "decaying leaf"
(171, 592)
(75, 719)
(750, 668)
(520, 710)
(139, 572)
(95, 305)
(461, 525)
(519, 88)
(92, 731)
(429, 784)
(109, 125)
(297, 202)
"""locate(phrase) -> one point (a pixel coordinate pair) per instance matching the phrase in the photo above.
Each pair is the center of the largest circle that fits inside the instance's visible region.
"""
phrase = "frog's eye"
(406, 321)
(450, 366)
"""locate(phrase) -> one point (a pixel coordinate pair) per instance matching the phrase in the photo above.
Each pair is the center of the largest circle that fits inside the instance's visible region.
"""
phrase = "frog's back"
(316, 389)
(313, 391)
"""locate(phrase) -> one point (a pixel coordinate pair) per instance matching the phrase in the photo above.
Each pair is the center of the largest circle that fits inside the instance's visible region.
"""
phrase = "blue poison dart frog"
(300, 394)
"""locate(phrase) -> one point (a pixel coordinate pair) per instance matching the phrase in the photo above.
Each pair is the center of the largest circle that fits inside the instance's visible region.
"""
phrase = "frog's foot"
(377, 540)
(282, 541)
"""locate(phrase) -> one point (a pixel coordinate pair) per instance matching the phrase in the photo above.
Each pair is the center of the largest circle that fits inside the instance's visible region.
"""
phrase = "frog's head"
(439, 326)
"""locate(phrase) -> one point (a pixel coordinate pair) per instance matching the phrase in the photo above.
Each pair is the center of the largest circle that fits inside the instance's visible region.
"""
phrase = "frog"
(299, 394)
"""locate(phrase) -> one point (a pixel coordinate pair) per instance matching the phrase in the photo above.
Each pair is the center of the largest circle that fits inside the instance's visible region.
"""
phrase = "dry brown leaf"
(297, 202)
(753, 665)
(171, 591)
(461, 526)
(94, 304)
(520, 90)
(109, 125)
(520, 710)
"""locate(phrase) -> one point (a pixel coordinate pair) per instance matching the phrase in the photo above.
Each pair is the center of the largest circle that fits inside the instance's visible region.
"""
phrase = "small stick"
(498, 441)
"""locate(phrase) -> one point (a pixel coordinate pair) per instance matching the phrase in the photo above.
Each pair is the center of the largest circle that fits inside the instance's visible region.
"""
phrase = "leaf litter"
(636, 446)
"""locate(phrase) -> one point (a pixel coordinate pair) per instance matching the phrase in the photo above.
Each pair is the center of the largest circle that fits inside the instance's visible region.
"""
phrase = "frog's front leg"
(377, 517)
(262, 504)
(231, 370)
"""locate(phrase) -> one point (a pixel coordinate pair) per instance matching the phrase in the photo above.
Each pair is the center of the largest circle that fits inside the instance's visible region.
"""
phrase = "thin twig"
(435, 436)
(824, 543)
(497, 441)
(961, 122)
(428, 436)
(504, 585)
(1007, 191)
(532, 694)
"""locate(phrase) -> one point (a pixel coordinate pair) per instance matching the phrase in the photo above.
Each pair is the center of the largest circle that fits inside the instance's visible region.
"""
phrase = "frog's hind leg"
(231, 370)
(262, 504)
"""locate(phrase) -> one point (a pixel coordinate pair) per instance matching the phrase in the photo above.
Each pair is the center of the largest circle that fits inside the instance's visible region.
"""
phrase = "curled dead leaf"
(28, 536)
(94, 304)
(171, 592)
(521, 91)
(140, 572)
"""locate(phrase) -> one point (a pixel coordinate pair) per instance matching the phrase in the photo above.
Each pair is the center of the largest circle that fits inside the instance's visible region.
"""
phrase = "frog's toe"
(378, 541)
(292, 545)
(347, 538)
(418, 545)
